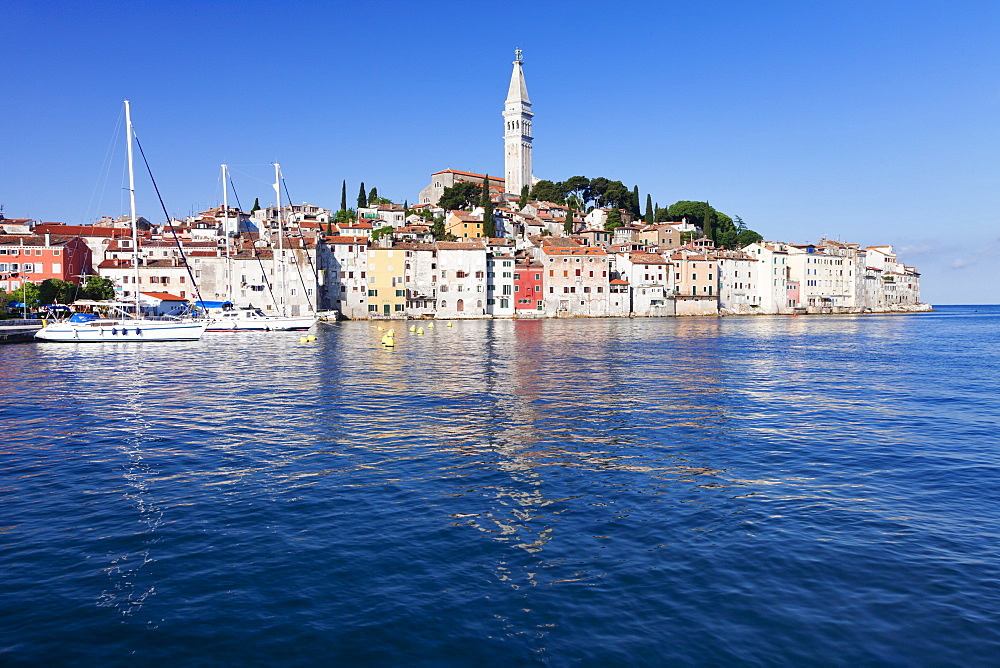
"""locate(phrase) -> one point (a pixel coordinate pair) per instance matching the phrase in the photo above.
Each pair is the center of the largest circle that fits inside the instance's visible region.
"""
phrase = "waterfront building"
(461, 279)
(696, 280)
(650, 285)
(420, 266)
(774, 290)
(529, 298)
(343, 269)
(386, 282)
(33, 258)
(737, 282)
(500, 300)
(576, 280)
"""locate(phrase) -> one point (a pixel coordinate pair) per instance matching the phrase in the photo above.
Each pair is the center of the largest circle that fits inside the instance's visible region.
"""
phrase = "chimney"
(48, 239)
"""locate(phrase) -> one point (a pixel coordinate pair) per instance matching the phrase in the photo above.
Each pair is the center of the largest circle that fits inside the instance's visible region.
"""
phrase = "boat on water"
(119, 323)
(224, 317)
(91, 327)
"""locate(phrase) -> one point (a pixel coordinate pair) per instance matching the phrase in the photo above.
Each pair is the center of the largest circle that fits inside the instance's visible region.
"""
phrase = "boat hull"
(262, 324)
(107, 331)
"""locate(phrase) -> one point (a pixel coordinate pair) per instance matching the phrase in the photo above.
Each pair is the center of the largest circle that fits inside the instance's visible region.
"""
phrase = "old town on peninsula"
(470, 246)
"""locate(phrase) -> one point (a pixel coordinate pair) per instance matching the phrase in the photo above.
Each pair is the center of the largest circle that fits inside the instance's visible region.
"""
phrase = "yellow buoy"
(449, 324)
(303, 339)
(380, 328)
(311, 337)
(429, 325)
(392, 332)
(413, 328)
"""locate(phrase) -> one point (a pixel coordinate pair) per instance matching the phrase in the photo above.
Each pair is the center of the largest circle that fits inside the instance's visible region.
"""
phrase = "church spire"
(517, 131)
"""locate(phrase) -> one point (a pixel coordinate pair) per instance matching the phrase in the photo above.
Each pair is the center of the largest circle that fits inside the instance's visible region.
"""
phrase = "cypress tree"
(406, 208)
(373, 196)
(256, 205)
(707, 228)
(343, 196)
(636, 213)
(523, 200)
(489, 225)
(568, 222)
(649, 209)
(362, 198)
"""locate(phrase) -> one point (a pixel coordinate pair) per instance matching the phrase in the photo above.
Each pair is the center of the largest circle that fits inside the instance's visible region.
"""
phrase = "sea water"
(756, 490)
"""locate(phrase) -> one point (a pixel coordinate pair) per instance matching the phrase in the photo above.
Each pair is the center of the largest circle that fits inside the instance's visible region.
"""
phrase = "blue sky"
(869, 122)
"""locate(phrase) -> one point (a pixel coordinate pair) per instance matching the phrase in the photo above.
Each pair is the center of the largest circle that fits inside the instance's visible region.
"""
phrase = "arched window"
(444, 304)
(460, 305)
(479, 304)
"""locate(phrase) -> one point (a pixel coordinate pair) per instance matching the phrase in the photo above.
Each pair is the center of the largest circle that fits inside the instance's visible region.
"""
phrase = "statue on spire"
(517, 56)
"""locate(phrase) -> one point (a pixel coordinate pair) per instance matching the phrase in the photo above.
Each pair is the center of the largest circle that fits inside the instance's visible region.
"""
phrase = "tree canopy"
(460, 197)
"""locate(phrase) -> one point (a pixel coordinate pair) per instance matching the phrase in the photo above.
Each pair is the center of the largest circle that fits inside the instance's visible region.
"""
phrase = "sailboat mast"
(131, 201)
(225, 229)
(281, 243)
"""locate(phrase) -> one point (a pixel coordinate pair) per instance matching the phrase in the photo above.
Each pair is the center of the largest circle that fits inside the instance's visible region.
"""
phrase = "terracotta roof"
(460, 245)
(458, 171)
(618, 281)
(346, 240)
(647, 258)
(579, 250)
(164, 296)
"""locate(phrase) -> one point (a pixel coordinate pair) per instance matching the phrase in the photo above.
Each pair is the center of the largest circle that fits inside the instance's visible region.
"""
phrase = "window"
(400, 293)
(28, 268)
(373, 293)
(551, 273)
(538, 277)
(398, 307)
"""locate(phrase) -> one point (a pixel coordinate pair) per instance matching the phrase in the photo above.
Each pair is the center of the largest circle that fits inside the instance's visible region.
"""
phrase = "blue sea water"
(818, 490)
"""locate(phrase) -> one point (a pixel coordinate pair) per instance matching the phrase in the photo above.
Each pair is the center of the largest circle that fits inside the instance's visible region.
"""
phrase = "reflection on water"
(620, 491)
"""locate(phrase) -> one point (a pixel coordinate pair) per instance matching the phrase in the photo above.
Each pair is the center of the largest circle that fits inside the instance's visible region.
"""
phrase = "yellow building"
(386, 275)
(463, 225)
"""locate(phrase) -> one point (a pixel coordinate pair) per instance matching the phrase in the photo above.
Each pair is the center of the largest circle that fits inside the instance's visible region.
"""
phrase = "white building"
(461, 279)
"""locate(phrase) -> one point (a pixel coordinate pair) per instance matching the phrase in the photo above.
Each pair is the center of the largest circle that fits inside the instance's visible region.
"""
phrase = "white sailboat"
(224, 317)
(122, 325)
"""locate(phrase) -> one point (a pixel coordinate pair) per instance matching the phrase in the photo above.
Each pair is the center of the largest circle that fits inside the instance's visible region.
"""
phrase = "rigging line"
(170, 224)
(260, 261)
(104, 173)
(308, 258)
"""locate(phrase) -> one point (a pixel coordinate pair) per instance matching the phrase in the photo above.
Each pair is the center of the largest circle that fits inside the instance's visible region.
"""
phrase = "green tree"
(346, 217)
(343, 195)
(568, 221)
(406, 208)
(98, 287)
(595, 193)
(489, 224)
(373, 196)
(256, 205)
(614, 220)
(27, 293)
(460, 197)
(54, 290)
(381, 232)
(649, 209)
(523, 199)
(617, 195)
(578, 186)
(547, 191)
(634, 208)
(362, 198)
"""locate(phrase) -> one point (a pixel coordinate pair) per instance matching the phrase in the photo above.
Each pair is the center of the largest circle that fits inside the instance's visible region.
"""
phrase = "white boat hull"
(270, 323)
(126, 330)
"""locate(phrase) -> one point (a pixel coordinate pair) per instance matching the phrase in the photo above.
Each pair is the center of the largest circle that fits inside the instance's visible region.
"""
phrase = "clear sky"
(871, 122)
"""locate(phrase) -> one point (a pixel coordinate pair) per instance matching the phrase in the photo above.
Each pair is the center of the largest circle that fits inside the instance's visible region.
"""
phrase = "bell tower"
(517, 131)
